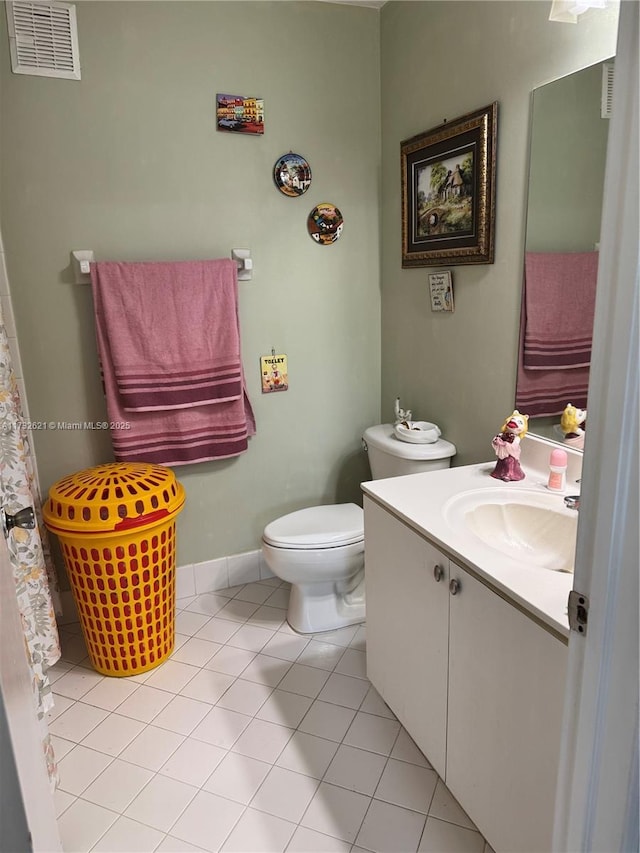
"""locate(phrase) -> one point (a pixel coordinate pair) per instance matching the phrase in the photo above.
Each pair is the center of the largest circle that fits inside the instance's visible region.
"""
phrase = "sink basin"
(532, 527)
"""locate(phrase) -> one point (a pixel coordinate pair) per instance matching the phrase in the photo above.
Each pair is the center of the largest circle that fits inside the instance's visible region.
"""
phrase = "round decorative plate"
(325, 223)
(292, 174)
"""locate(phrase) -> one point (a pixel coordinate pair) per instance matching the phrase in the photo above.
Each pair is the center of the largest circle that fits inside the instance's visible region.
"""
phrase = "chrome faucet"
(572, 502)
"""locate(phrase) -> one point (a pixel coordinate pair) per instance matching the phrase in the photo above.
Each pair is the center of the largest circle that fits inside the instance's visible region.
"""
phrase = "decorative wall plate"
(292, 174)
(325, 223)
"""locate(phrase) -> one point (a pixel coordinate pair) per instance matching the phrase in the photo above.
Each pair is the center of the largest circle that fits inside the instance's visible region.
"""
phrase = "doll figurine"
(507, 447)
(572, 424)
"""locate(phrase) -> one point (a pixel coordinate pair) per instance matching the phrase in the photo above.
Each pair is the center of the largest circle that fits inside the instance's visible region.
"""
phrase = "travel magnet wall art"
(325, 223)
(292, 174)
(239, 114)
(274, 373)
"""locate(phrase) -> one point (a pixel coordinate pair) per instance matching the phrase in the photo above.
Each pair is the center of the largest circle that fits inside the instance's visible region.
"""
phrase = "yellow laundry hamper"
(117, 530)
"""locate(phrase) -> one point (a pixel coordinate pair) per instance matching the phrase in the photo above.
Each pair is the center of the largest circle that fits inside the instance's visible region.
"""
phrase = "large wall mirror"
(566, 181)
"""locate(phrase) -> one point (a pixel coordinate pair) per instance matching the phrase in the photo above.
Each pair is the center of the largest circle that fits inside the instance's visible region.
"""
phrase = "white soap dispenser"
(557, 470)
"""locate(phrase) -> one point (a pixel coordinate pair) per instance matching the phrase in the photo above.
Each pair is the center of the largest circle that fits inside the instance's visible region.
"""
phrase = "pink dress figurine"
(507, 448)
(573, 423)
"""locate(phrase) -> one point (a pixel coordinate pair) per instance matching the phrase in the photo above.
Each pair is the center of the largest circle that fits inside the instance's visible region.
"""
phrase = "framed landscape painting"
(448, 192)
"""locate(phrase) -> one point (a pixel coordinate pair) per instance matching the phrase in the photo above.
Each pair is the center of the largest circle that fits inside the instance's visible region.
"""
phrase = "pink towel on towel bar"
(172, 332)
(559, 296)
(174, 436)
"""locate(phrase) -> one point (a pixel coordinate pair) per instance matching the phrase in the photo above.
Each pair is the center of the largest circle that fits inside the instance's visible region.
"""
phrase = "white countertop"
(418, 499)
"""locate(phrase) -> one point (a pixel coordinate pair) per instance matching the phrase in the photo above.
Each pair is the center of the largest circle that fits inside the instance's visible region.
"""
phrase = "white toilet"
(320, 550)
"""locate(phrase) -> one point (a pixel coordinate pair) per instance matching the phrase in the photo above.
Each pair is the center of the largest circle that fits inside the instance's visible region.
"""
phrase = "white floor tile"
(305, 680)
(360, 639)
(161, 802)
(237, 611)
(62, 800)
(344, 690)
(269, 617)
(118, 785)
(442, 837)
(237, 777)
(152, 747)
(375, 704)
(231, 661)
(82, 824)
(321, 655)
(182, 715)
(251, 638)
(245, 697)
(407, 785)
(337, 812)
(77, 721)
(193, 762)
(196, 652)
(190, 623)
(113, 734)
(405, 749)
(341, 637)
(176, 845)
(207, 603)
(221, 727)
(307, 754)
(326, 720)
(264, 669)
(77, 681)
(207, 686)
(285, 646)
(58, 670)
(258, 831)
(353, 662)
(129, 836)
(109, 693)
(145, 703)
(80, 767)
(356, 769)
(264, 741)
(285, 794)
(387, 829)
(218, 630)
(285, 709)
(279, 598)
(445, 807)
(374, 733)
(254, 592)
(171, 676)
(309, 841)
(60, 705)
(207, 821)
(73, 646)
(61, 746)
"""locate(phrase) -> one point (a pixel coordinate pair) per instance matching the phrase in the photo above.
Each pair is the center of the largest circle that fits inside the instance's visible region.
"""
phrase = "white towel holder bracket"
(243, 259)
(80, 261)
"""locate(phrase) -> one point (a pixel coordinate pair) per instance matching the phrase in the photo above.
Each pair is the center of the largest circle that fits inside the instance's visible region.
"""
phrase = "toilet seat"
(317, 527)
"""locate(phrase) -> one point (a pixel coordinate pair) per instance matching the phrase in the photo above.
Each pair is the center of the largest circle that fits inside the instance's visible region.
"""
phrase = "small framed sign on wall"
(441, 291)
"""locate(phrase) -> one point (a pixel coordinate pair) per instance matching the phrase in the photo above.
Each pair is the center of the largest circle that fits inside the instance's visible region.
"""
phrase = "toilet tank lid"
(382, 437)
(317, 527)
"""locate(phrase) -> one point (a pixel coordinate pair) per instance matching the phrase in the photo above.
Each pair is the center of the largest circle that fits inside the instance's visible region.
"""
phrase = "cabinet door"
(407, 625)
(506, 691)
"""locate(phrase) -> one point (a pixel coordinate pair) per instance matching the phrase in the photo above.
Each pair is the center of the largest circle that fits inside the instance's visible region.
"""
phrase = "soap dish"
(417, 432)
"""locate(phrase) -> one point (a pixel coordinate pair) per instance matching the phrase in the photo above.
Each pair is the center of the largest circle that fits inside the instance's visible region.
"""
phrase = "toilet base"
(318, 607)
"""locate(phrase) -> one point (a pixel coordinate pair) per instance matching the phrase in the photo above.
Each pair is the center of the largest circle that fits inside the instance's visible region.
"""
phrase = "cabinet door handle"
(438, 573)
(454, 586)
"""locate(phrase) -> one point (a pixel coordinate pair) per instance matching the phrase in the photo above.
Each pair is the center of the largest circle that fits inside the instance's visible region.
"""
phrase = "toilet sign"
(274, 374)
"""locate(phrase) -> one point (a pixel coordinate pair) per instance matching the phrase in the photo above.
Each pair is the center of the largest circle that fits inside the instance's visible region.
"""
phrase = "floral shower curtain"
(34, 574)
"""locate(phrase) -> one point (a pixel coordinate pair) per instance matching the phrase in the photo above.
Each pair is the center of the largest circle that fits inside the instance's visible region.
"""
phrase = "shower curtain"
(33, 571)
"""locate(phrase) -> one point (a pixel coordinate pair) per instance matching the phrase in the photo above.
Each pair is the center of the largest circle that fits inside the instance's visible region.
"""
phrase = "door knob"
(438, 573)
(25, 518)
(454, 587)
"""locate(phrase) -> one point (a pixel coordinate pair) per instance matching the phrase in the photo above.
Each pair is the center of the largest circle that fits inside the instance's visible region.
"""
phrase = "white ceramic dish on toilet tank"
(417, 432)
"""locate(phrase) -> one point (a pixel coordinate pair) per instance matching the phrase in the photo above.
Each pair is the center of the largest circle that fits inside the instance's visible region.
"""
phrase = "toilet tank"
(391, 457)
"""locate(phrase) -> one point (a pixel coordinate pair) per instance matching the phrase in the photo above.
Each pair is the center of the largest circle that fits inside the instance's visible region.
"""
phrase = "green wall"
(128, 162)
(440, 60)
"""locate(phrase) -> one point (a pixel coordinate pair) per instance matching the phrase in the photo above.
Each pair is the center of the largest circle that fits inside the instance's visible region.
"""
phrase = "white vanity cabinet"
(476, 682)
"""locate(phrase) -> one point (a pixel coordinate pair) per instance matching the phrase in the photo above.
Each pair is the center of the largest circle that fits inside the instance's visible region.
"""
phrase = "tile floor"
(250, 738)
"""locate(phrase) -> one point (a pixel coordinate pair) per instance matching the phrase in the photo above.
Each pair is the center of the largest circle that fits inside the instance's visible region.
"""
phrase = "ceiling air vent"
(43, 38)
(606, 107)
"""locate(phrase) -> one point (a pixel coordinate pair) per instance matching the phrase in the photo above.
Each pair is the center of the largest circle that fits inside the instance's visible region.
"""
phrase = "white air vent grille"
(43, 38)
(606, 109)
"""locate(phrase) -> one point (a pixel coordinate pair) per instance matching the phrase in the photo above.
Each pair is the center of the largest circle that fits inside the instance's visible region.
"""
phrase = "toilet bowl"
(320, 550)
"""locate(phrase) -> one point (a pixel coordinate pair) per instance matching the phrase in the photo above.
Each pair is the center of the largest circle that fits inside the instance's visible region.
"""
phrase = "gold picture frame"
(448, 192)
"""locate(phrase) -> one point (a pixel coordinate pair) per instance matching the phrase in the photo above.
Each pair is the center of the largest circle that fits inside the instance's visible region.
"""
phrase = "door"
(31, 821)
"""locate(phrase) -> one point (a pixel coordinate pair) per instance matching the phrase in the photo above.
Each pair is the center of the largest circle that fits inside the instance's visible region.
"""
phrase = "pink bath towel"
(559, 301)
(214, 429)
(172, 331)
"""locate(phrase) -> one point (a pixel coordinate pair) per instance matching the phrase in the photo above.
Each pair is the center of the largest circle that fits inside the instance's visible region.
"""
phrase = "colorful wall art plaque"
(239, 114)
(292, 174)
(274, 373)
(325, 223)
